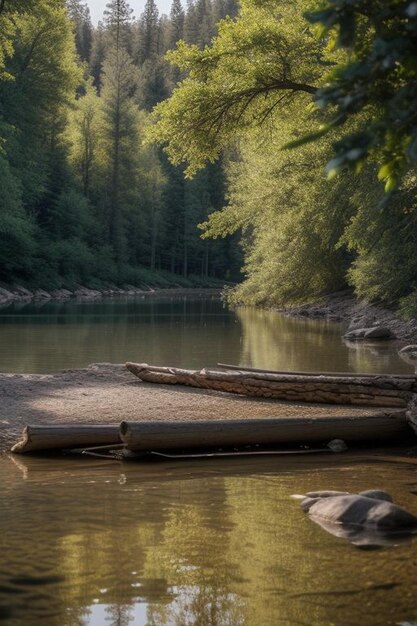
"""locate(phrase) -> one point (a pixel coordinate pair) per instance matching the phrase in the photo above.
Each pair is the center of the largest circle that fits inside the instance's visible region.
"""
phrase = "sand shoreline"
(108, 393)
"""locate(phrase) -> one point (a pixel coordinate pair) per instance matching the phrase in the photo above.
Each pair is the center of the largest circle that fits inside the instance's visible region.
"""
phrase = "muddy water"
(188, 331)
(97, 543)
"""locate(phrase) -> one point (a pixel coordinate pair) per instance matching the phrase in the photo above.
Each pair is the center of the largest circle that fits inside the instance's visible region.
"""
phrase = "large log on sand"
(66, 436)
(146, 436)
(383, 391)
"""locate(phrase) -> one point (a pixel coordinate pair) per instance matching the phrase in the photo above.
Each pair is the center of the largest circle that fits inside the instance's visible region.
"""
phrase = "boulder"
(379, 332)
(371, 509)
(376, 332)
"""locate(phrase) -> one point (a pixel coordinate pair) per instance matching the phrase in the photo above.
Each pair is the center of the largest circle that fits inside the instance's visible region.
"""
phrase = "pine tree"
(148, 32)
(79, 14)
(120, 136)
(191, 25)
(118, 19)
(176, 23)
(224, 8)
(98, 52)
(204, 13)
(83, 134)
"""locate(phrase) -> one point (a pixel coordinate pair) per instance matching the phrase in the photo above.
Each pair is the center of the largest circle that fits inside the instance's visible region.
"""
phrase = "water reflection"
(188, 331)
(196, 544)
(276, 342)
(365, 537)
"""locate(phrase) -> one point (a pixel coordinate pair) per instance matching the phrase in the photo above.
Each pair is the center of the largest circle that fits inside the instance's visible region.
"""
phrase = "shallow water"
(188, 331)
(212, 543)
(97, 543)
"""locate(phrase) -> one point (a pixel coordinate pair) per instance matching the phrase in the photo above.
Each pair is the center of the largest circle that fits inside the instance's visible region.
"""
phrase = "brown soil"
(108, 393)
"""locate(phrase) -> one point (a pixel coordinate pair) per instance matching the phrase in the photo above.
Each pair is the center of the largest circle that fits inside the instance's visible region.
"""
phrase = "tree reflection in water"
(198, 544)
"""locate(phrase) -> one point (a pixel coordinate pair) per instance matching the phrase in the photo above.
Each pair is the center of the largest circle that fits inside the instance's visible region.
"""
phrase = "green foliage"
(16, 228)
(255, 65)
(378, 83)
(84, 200)
(290, 225)
(383, 234)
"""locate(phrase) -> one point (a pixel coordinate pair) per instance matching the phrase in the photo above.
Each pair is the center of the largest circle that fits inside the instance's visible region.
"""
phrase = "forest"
(83, 199)
(273, 136)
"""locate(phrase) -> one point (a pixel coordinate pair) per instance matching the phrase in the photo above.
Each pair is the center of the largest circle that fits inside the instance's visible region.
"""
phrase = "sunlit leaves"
(379, 82)
(256, 65)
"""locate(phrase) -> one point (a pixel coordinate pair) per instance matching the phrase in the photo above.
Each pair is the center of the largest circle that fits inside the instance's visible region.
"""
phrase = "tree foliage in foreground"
(376, 85)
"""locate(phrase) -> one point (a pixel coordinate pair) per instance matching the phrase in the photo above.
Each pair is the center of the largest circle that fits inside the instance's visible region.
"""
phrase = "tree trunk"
(148, 436)
(62, 436)
(384, 391)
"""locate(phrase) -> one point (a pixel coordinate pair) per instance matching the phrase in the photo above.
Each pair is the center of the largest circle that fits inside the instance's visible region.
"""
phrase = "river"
(189, 331)
(210, 543)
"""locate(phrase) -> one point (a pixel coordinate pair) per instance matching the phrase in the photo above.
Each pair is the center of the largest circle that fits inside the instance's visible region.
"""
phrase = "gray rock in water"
(409, 354)
(373, 509)
(337, 445)
(357, 333)
(376, 332)
(379, 332)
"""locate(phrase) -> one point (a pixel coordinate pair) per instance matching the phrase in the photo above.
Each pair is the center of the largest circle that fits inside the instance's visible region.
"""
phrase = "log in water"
(63, 436)
(170, 435)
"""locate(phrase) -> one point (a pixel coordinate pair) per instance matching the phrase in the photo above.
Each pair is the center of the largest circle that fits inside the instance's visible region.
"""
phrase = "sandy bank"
(108, 393)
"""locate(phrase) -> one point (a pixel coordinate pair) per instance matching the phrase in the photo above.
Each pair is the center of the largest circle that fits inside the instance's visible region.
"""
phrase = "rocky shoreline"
(344, 307)
(17, 293)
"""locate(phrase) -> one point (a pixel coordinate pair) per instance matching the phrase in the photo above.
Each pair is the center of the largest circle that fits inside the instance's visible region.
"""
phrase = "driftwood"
(383, 391)
(240, 368)
(62, 436)
(145, 436)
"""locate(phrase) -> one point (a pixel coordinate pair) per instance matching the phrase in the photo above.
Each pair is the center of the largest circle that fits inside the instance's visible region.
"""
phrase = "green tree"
(120, 141)
(83, 134)
(98, 53)
(17, 230)
(376, 87)
(149, 32)
(35, 102)
(255, 66)
(118, 20)
(80, 16)
(176, 23)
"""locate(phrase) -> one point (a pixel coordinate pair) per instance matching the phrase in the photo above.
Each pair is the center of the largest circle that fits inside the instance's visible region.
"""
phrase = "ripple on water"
(200, 544)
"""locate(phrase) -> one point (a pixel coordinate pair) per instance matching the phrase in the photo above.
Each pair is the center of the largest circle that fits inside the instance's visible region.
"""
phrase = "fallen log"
(383, 391)
(189, 435)
(240, 368)
(65, 436)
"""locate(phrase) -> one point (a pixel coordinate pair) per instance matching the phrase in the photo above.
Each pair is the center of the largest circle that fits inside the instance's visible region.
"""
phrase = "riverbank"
(344, 307)
(21, 294)
(107, 393)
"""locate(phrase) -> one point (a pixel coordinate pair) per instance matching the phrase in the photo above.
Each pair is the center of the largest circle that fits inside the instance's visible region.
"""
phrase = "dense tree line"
(83, 198)
(287, 88)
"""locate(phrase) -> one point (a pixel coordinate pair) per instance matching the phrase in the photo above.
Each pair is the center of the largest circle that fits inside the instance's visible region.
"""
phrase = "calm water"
(183, 331)
(98, 543)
